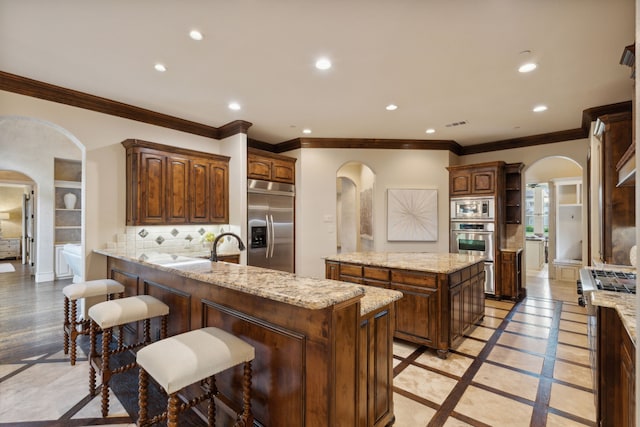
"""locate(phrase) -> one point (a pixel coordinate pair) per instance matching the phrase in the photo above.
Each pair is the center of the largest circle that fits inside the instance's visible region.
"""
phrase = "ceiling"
(439, 61)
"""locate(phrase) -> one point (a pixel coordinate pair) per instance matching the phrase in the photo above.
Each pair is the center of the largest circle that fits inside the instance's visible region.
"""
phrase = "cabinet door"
(177, 197)
(199, 188)
(416, 313)
(283, 171)
(62, 268)
(258, 167)
(483, 182)
(332, 270)
(508, 275)
(152, 183)
(457, 310)
(219, 192)
(460, 183)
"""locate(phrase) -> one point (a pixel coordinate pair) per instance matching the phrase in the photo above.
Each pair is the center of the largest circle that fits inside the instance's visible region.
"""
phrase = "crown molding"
(37, 89)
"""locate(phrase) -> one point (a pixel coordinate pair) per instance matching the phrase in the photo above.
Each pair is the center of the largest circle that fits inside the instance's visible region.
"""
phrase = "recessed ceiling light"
(391, 107)
(307, 131)
(195, 35)
(323, 64)
(528, 67)
(540, 108)
(430, 130)
(160, 67)
(234, 106)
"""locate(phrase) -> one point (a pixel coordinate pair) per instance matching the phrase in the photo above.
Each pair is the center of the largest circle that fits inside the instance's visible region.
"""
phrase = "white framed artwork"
(412, 215)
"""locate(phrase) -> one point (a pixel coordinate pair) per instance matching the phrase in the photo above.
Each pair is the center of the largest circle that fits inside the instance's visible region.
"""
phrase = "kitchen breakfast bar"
(323, 349)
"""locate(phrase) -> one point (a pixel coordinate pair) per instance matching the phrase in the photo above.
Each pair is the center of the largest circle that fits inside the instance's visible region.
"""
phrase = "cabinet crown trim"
(138, 143)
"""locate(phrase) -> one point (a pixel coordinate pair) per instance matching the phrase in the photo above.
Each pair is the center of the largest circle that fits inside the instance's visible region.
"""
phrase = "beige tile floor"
(525, 364)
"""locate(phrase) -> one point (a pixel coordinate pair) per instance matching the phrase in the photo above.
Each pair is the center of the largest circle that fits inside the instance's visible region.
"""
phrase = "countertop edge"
(625, 306)
(342, 291)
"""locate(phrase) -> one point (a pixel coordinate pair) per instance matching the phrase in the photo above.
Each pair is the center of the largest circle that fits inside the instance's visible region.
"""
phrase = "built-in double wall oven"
(472, 232)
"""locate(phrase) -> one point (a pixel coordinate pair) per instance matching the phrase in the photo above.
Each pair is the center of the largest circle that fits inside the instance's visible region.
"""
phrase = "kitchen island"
(316, 363)
(443, 293)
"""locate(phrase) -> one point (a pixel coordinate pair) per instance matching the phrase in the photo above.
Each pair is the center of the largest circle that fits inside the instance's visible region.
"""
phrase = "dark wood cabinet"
(436, 308)
(513, 193)
(481, 179)
(170, 185)
(376, 368)
(177, 192)
(615, 369)
(511, 283)
(618, 203)
(270, 167)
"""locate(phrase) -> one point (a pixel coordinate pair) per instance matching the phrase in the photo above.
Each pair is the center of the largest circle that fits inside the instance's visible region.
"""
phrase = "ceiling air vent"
(460, 123)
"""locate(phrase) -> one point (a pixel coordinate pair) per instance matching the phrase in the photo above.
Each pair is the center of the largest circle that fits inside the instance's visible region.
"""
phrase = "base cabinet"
(376, 368)
(511, 265)
(615, 371)
(62, 268)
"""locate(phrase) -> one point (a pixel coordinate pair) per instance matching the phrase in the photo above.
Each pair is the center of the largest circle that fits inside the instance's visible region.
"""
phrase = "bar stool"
(109, 314)
(181, 360)
(72, 293)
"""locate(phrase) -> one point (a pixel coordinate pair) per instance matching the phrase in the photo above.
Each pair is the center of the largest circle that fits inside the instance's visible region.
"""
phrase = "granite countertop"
(279, 286)
(417, 261)
(625, 305)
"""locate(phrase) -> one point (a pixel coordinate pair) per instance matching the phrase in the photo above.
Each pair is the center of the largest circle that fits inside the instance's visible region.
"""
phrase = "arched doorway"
(555, 232)
(354, 208)
(31, 147)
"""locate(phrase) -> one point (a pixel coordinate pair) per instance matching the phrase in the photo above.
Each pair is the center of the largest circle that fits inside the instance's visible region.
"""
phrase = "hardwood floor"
(30, 315)
(524, 364)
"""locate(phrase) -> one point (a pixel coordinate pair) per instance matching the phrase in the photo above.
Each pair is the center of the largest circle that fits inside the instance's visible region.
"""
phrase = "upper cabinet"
(618, 202)
(170, 185)
(481, 179)
(270, 167)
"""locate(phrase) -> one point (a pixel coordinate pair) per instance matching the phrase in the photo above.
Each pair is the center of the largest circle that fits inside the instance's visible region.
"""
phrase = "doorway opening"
(554, 226)
(354, 208)
(17, 194)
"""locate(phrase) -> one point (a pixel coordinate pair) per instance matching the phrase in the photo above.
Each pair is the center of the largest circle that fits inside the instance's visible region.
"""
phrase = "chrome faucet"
(214, 248)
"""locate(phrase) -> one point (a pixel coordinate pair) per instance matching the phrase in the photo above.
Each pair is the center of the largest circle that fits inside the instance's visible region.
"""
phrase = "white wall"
(104, 180)
(316, 198)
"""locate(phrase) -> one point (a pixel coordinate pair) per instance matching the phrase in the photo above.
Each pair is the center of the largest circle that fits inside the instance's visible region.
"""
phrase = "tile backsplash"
(167, 238)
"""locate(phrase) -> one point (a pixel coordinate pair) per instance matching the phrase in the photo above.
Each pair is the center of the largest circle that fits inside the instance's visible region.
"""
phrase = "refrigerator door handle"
(273, 236)
(266, 252)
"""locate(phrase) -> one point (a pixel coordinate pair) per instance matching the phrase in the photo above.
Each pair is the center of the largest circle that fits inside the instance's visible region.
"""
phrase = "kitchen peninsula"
(316, 364)
(443, 293)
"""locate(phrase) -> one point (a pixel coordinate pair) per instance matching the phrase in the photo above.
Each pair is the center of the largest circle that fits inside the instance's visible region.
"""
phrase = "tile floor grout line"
(449, 404)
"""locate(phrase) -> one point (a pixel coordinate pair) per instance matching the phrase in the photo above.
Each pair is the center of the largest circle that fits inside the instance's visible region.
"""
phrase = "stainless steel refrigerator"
(270, 216)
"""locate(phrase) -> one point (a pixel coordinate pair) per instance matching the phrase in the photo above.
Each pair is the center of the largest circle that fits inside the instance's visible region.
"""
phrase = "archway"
(354, 208)
(31, 146)
(554, 221)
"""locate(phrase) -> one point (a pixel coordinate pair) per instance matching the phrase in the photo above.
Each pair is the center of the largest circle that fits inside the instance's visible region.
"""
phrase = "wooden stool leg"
(143, 384)
(147, 331)
(66, 325)
(92, 354)
(247, 417)
(163, 327)
(172, 410)
(73, 330)
(211, 413)
(106, 370)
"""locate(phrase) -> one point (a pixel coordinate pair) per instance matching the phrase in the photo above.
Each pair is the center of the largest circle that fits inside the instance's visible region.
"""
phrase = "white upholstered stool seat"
(109, 314)
(185, 359)
(72, 293)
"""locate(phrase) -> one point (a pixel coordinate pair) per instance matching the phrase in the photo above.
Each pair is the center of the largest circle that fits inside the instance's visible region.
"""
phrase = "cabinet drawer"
(376, 273)
(351, 270)
(413, 278)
